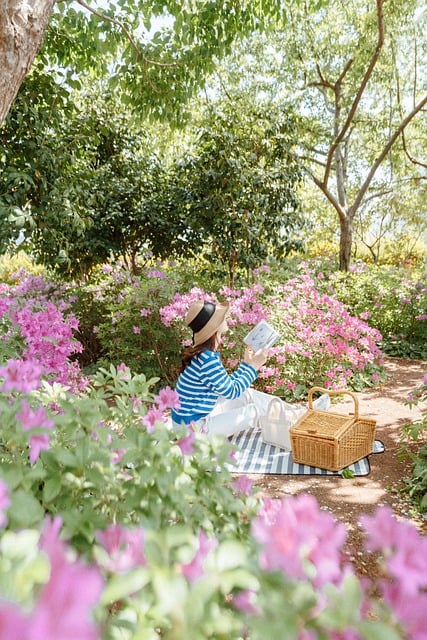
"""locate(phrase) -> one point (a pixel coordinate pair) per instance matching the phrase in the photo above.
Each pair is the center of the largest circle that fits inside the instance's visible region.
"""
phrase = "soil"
(348, 498)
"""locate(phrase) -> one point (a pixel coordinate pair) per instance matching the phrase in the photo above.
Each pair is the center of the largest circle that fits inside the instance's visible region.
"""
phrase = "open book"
(262, 336)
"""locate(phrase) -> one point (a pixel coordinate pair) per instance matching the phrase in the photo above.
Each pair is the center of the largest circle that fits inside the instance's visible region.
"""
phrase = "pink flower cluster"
(321, 324)
(64, 606)
(193, 570)
(305, 543)
(46, 327)
(124, 548)
(316, 328)
(21, 375)
(24, 376)
(4, 502)
(166, 399)
(404, 553)
(49, 338)
(38, 420)
(294, 532)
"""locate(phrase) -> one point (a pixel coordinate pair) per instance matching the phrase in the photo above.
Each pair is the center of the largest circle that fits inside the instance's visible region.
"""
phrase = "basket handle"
(338, 392)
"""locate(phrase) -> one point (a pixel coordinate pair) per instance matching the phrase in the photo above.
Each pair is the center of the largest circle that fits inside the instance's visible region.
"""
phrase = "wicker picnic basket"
(330, 440)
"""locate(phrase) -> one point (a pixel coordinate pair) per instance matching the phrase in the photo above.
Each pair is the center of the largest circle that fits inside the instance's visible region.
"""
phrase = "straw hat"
(204, 319)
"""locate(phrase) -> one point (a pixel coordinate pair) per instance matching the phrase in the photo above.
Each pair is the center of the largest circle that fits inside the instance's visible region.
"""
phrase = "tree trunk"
(346, 241)
(23, 24)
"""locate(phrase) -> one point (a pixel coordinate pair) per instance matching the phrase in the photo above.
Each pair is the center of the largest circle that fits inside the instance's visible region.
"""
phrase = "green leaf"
(24, 510)
(230, 554)
(12, 475)
(378, 631)
(347, 473)
(51, 488)
(67, 458)
(122, 586)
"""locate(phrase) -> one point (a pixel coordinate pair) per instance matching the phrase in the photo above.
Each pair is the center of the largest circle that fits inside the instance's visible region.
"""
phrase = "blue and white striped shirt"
(204, 380)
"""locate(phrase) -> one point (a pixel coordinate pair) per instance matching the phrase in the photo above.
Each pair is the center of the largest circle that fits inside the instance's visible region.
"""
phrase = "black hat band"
(203, 317)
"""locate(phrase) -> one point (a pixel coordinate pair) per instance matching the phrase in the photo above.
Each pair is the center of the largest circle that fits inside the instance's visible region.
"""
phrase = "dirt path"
(347, 499)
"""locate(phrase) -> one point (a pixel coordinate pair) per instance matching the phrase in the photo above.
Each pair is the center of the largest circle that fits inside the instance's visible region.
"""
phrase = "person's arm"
(215, 376)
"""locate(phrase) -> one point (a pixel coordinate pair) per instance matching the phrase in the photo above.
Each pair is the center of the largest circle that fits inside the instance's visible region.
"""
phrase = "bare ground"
(348, 498)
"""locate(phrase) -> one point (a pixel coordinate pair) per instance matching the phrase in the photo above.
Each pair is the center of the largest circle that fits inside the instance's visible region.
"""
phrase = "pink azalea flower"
(409, 610)
(21, 375)
(245, 601)
(123, 371)
(4, 502)
(187, 444)
(152, 416)
(232, 456)
(243, 485)
(124, 546)
(167, 398)
(295, 530)
(34, 420)
(13, 624)
(194, 569)
(117, 455)
(136, 329)
(64, 609)
(405, 550)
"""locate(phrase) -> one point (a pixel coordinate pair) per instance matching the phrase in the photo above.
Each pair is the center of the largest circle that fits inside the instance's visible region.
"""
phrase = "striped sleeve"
(215, 377)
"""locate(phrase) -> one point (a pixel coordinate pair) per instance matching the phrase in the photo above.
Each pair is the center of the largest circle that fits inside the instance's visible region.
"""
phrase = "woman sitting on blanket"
(217, 402)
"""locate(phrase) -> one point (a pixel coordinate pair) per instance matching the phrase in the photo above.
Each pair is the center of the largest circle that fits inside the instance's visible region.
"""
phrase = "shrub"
(415, 432)
(392, 300)
(147, 534)
(128, 329)
(321, 345)
(36, 323)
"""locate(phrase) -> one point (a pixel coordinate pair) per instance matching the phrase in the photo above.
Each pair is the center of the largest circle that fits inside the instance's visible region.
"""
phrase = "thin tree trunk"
(23, 25)
(346, 241)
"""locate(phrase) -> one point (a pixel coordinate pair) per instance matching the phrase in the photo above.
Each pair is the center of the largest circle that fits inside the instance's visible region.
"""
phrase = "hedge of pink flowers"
(38, 319)
(321, 345)
(295, 539)
(251, 567)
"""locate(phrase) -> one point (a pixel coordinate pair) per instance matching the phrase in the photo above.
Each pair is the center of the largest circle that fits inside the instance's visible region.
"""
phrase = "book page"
(262, 336)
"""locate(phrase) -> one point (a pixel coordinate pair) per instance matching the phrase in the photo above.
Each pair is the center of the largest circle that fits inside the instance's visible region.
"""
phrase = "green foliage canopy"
(155, 54)
(238, 184)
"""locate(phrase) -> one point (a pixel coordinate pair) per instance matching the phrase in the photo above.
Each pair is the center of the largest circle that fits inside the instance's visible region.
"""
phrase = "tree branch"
(410, 157)
(383, 154)
(127, 33)
(334, 202)
(365, 80)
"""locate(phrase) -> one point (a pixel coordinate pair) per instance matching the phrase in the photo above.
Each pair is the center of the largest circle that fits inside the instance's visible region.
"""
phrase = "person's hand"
(255, 359)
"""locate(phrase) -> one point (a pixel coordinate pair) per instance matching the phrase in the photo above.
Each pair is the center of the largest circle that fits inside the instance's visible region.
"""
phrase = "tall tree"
(356, 73)
(155, 68)
(237, 186)
(78, 177)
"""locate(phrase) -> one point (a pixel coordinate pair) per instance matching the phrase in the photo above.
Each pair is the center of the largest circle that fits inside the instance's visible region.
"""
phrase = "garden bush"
(392, 300)
(140, 322)
(416, 432)
(97, 491)
(120, 311)
(36, 323)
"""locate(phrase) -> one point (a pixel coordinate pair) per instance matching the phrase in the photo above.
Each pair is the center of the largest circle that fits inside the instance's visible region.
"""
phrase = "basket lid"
(322, 424)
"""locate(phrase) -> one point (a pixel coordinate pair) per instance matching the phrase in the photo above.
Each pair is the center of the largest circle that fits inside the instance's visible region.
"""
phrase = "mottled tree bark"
(23, 24)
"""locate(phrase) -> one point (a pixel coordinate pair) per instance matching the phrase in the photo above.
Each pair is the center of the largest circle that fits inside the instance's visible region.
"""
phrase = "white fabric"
(231, 416)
